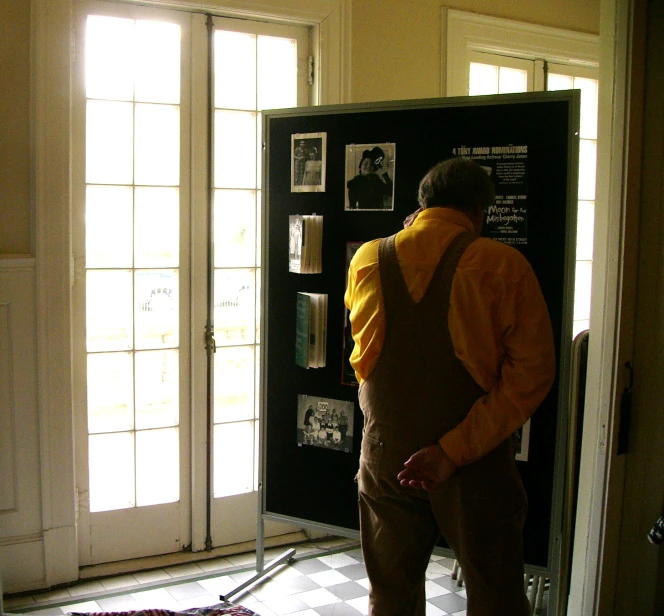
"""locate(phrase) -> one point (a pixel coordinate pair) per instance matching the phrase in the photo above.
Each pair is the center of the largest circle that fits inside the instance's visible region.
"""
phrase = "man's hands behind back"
(427, 468)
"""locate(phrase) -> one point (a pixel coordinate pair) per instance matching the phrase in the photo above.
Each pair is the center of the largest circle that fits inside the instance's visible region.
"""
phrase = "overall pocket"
(371, 456)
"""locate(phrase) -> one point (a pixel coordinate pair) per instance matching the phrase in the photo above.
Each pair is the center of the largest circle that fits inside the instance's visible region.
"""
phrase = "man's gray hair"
(457, 183)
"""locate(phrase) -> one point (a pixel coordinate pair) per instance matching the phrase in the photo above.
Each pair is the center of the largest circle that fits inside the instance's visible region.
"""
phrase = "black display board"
(537, 134)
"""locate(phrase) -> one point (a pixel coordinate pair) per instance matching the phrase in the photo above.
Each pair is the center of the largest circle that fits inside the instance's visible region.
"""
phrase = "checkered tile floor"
(321, 582)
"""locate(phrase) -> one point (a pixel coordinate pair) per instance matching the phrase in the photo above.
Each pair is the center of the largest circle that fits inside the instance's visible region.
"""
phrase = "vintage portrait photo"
(308, 162)
(370, 177)
(323, 422)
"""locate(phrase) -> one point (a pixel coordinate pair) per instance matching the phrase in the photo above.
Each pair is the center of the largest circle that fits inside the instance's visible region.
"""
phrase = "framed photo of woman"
(370, 177)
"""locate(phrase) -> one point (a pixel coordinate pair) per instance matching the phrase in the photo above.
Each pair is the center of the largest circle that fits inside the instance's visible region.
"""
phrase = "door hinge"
(210, 343)
(310, 78)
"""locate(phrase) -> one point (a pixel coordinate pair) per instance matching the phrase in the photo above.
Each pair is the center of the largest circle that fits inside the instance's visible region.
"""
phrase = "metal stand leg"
(534, 590)
(540, 596)
(287, 555)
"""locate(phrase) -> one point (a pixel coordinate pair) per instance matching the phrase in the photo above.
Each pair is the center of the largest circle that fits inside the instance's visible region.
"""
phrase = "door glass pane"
(109, 142)
(483, 79)
(157, 389)
(512, 80)
(109, 60)
(157, 62)
(589, 102)
(157, 309)
(108, 226)
(585, 231)
(235, 149)
(252, 72)
(582, 287)
(587, 169)
(157, 227)
(234, 82)
(234, 309)
(111, 463)
(234, 384)
(110, 392)
(277, 73)
(157, 145)
(157, 467)
(109, 310)
(235, 228)
(233, 458)
(559, 82)
(133, 140)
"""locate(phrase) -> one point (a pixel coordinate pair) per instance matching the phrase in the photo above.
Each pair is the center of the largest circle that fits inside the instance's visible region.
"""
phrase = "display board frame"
(555, 120)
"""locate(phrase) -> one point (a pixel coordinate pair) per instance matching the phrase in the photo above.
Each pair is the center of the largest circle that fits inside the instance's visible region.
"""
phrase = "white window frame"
(468, 32)
(52, 27)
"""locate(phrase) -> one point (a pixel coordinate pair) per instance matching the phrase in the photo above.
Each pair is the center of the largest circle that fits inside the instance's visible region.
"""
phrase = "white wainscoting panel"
(21, 536)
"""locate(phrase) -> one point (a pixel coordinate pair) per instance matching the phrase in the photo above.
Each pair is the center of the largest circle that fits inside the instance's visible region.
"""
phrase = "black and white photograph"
(370, 177)
(308, 162)
(326, 423)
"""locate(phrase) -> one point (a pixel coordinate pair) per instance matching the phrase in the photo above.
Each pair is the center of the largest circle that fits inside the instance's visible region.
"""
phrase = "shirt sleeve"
(522, 330)
(364, 299)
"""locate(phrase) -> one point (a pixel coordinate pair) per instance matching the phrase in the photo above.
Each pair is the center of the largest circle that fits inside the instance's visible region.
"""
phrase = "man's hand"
(427, 468)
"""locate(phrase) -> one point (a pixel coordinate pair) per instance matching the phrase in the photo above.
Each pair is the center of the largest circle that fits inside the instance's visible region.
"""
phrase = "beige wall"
(396, 44)
(14, 127)
(395, 54)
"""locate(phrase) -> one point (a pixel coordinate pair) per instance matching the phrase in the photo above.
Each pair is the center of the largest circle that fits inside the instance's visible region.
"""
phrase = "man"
(453, 351)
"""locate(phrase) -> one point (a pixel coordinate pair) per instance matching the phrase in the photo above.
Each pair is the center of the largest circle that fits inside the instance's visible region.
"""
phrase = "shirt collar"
(444, 214)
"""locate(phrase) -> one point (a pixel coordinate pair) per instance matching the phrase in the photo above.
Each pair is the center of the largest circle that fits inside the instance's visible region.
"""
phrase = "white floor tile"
(285, 605)
(338, 560)
(263, 610)
(269, 590)
(86, 588)
(364, 582)
(431, 589)
(328, 578)
(316, 598)
(201, 601)
(361, 604)
(437, 569)
(85, 606)
(219, 585)
(432, 610)
(159, 598)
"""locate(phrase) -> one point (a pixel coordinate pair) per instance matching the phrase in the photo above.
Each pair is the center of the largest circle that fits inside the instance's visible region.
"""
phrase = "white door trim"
(53, 51)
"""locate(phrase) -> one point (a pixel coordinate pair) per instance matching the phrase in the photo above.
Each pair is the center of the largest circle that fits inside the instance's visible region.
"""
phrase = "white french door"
(166, 218)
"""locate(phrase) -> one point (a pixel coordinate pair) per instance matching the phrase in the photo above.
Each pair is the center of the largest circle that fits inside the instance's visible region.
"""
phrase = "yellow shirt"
(498, 322)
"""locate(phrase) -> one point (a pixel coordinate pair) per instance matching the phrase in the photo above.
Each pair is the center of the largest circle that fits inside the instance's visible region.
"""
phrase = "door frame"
(53, 52)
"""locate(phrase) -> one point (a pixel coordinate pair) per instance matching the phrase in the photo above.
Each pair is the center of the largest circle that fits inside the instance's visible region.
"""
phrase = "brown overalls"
(417, 392)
